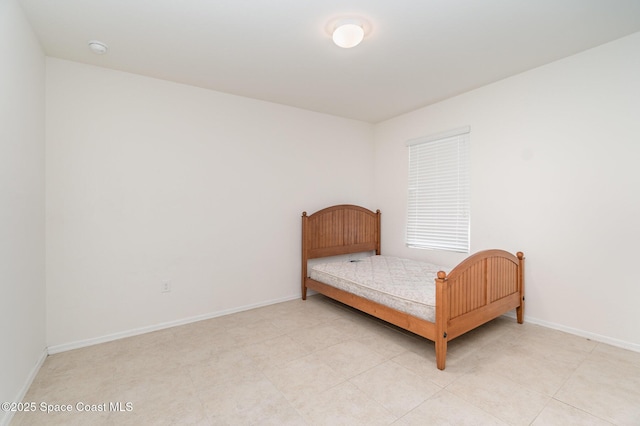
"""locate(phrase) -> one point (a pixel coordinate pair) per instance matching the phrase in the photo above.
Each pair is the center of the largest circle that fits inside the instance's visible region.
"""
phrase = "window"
(438, 210)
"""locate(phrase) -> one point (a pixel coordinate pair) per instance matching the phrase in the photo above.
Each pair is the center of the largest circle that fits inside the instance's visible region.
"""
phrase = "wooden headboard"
(340, 229)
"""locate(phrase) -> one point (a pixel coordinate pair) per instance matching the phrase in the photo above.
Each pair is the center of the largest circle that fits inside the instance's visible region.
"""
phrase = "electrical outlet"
(165, 287)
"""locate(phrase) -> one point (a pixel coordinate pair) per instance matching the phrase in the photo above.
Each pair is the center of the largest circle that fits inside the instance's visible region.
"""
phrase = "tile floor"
(320, 363)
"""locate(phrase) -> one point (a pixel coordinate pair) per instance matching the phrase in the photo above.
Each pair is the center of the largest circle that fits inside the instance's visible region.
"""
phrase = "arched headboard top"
(340, 229)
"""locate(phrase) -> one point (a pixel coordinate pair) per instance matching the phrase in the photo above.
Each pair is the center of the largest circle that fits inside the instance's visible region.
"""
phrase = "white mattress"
(402, 284)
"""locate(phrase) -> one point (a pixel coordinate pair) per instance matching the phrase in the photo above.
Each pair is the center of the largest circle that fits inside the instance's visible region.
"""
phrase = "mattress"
(402, 284)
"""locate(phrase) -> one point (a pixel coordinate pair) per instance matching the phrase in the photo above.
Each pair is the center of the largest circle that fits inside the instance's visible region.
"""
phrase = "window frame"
(439, 196)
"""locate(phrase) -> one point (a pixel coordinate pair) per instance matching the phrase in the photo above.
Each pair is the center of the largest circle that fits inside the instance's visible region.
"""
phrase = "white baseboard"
(577, 332)
(137, 331)
(6, 416)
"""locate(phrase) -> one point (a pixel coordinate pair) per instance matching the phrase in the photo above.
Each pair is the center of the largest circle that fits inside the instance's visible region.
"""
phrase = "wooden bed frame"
(482, 287)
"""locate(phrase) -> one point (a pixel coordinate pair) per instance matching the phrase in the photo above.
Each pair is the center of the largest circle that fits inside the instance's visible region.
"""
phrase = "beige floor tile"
(424, 364)
(606, 386)
(145, 361)
(222, 368)
(295, 320)
(445, 408)
(357, 325)
(324, 308)
(193, 348)
(611, 354)
(559, 414)
(254, 332)
(274, 352)
(389, 342)
(238, 319)
(543, 342)
(161, 385)
(278, 310)
(303, 378)
(350, 358)
(83, 384)
(478, 338)
(320, 336)
(397, 389)
(248, 402)
(499, 396)
(51, 385)
(545, 375)
(97, 359)
(343, 404)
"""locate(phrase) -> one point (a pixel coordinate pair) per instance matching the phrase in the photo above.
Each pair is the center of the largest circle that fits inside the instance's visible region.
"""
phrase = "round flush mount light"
(98, 47)
(348, 33)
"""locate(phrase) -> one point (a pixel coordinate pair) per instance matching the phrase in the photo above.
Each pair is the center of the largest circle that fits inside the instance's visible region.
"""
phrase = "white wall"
(22, 275)
(555, 174)
(149, 180)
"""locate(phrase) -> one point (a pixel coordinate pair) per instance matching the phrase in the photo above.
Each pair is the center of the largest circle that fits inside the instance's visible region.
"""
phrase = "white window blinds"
(438, 210)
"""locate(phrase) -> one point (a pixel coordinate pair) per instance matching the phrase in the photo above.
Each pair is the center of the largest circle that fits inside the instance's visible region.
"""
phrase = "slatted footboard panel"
(481, 288)
(468, 291)
(502, 278)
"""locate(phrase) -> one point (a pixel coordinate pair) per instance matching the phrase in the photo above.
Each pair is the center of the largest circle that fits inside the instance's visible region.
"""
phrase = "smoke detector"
(98, 47)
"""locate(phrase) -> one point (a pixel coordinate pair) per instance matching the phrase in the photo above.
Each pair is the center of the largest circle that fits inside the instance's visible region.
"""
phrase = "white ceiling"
(418, 51)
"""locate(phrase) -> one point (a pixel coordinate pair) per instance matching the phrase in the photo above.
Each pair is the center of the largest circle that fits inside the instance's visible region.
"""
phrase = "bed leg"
(520, 309)
(305, 239)
(442, 318)
(441, 352)
(520, 313)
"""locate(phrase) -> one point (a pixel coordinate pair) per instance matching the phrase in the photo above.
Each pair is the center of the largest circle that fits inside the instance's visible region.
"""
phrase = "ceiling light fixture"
(348, 33)
(98, 47)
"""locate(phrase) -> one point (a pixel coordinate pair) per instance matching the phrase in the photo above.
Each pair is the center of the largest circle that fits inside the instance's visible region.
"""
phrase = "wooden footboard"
(479, 289)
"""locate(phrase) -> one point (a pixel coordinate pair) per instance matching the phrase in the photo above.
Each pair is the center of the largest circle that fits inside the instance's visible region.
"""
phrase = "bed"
(482, 287)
